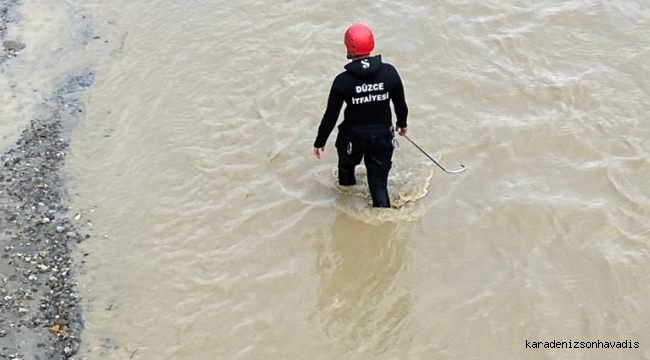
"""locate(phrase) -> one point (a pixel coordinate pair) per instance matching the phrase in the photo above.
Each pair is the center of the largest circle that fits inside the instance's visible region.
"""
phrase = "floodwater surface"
(217, 234)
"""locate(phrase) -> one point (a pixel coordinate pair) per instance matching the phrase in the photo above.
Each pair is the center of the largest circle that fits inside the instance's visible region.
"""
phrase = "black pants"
(373, 144)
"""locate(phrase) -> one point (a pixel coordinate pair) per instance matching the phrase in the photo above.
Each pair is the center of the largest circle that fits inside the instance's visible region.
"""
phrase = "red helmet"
(359, 40)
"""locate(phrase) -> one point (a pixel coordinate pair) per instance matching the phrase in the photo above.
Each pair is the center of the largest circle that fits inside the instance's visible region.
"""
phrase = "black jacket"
(366, 87)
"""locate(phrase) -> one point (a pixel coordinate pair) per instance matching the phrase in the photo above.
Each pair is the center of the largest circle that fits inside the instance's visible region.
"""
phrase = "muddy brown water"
(217, 235)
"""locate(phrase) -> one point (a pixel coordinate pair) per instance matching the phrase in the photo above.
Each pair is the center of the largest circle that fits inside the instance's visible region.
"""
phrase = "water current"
(217, 235)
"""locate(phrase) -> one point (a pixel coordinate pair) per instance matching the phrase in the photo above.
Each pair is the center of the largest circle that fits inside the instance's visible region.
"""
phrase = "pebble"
(13, 45)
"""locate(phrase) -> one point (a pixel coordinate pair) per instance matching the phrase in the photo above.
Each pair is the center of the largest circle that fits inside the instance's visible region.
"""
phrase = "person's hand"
(402, 131)
(317, 151)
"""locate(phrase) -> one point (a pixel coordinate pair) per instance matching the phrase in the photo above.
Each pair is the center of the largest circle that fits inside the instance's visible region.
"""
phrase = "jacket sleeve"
(399, 102)
(327, 124)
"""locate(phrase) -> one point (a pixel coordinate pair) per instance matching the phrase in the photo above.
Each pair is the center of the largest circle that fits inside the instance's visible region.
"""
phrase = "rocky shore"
(40, 314)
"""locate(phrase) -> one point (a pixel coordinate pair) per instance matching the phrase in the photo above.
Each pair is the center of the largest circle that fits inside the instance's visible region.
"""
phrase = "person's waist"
(354, 126)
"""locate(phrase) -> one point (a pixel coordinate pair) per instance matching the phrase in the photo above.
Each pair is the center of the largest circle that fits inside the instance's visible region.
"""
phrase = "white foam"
(405, 187)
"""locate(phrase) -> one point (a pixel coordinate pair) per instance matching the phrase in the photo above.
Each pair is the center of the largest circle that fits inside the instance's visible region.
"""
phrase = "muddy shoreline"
(40, 313)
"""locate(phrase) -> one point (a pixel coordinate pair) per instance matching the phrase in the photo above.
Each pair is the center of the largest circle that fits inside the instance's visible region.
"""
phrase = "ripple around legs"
(406, 188)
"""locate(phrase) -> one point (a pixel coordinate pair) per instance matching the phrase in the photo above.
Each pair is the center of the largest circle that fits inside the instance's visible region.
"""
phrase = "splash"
(405, 187)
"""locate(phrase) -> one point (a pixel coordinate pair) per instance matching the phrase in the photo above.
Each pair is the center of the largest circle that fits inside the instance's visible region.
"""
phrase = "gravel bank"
(40, 314)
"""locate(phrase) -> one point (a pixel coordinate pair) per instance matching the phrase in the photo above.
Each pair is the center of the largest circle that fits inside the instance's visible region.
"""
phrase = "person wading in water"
(366, 86)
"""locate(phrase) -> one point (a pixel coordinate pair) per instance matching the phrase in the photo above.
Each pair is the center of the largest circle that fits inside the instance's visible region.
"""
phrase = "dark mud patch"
(40, 313)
